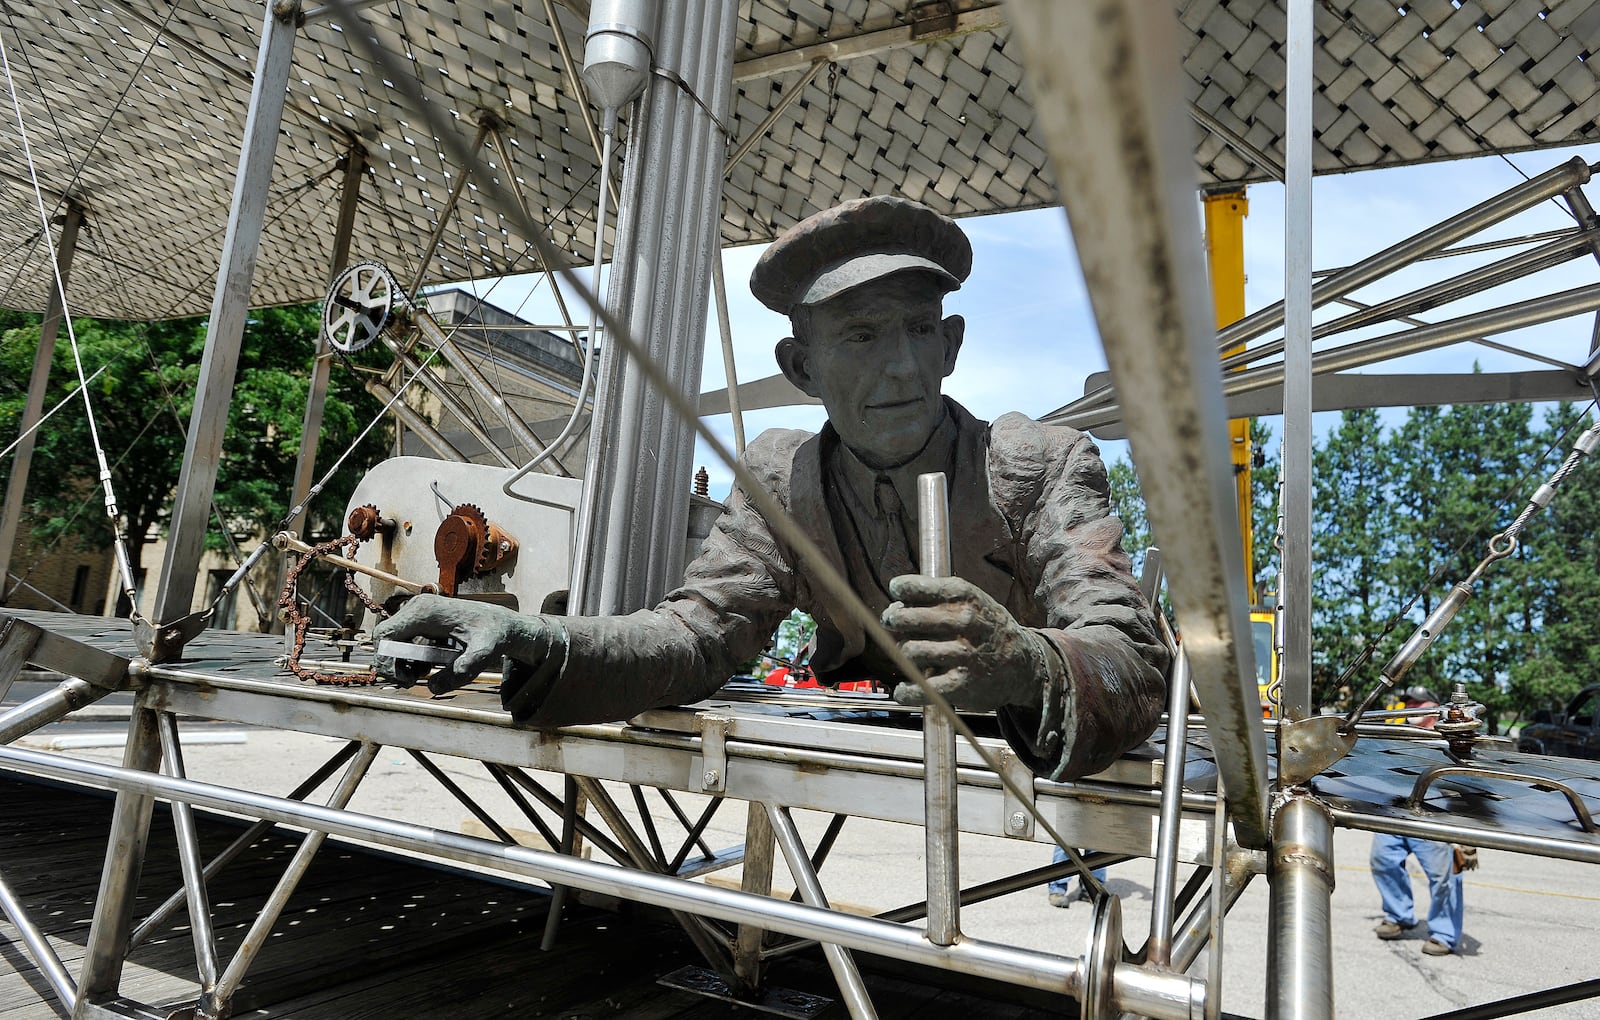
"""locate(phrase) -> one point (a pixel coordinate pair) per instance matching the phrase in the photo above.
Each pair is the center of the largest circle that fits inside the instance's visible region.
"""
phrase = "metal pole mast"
(33, 409)
(202, 452)
(355, 167)
(631, 535)
(1295, 668)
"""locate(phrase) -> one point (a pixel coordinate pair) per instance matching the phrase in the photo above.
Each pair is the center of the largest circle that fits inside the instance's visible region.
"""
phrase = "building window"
(80, 587)
(230, 605)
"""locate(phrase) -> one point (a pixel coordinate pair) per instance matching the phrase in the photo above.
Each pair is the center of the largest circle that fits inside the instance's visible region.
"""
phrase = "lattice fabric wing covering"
(138, 110)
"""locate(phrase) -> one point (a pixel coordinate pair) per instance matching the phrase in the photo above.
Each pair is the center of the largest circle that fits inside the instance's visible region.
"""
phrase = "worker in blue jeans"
(1438, 861)
(1059, 889)
(1445, 903)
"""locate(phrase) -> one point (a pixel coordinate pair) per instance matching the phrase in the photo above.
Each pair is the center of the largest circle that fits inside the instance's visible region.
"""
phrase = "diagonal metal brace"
(22, 641)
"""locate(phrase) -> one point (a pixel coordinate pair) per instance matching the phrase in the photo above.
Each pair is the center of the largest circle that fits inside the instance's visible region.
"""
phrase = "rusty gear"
(458, 545)
(364, 522)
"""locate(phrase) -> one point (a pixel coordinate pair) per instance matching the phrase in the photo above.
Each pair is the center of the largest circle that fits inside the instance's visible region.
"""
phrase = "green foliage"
(142, 404)
(792, 635)
(1127, 502)
(1401, 514)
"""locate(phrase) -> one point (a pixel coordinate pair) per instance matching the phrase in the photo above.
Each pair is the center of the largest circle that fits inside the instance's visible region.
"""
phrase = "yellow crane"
(1225, 212)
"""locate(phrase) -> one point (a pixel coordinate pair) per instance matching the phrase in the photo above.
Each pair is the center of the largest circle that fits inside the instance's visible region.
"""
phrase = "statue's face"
(876, 356)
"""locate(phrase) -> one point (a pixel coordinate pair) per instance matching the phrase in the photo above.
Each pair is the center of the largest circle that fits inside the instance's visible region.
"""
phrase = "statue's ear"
(955, 330)
(794, 361)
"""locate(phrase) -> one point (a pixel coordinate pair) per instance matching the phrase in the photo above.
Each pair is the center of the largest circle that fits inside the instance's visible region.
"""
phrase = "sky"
(1031, 338)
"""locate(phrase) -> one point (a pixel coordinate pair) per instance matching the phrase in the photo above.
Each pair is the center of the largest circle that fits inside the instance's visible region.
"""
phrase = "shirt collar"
(937, 454)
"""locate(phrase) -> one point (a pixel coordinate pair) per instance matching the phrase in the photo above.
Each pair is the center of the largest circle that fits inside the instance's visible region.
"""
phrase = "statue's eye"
(859, 336)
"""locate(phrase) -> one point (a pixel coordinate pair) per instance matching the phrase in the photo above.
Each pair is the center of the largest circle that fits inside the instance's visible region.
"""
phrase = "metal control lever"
(408, 663)
(938, 737)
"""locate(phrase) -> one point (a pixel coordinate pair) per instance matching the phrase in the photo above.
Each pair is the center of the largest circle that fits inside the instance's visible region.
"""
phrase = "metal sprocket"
(359, 305)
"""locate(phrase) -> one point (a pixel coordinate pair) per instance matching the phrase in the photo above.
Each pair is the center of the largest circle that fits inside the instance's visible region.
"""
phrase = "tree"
(1127, 503)
(1350, 522)
(142, 404)
(1557, 578)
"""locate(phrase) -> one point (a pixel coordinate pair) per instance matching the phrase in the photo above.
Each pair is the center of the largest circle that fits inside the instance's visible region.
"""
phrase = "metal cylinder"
(1300, 943)
(933, 524)
(1161, 910)
(939, 822)
(1424, 636)
(617, 50)
(66, 697)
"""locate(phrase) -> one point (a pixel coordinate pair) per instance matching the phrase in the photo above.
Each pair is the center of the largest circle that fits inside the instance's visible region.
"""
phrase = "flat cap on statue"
(854, 243)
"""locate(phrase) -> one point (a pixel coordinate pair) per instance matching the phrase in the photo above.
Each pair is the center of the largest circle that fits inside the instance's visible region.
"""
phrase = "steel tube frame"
(714, 945)
(119, 879)
(1161, 910)
(843, 965)
(1112, 71)
(1294, 600)
(1300, 943)
(606, 844)
(194, 885)
(719, 292)
(568, 844)
(485, 390)
(1024, 967)
(940, 829)
(416, 423)
(149, 926)
(39, 947)
(1400, 309)
(33, 405)
(1421, 245)
(462, 796)
(355, 169)
(424, 376)
(1503, 206)
(214, 393)
(1194, 932)
(255, 939)
(1369, 352)
(66, 697)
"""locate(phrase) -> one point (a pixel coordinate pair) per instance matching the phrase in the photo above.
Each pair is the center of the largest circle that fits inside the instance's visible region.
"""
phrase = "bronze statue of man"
(1042, 621)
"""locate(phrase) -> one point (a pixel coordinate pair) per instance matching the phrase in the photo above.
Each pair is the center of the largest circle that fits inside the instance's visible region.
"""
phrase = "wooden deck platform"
(369, 934)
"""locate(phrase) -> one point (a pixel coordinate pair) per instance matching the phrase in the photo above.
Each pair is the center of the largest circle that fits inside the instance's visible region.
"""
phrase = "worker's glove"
(971, 649)
(488, 633)
(1466, 857)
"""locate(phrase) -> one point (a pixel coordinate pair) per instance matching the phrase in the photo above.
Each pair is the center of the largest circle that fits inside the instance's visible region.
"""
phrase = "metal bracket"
(784, 1002)
(932, 20)
(714, 752)
(1306, 747)
(1016, 814)
(165, 643)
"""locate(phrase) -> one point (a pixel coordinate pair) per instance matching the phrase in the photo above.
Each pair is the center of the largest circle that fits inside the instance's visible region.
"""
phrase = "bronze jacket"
(1031, 525)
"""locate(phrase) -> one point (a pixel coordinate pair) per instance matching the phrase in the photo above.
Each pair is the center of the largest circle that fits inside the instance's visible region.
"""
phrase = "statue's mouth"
(895, 405)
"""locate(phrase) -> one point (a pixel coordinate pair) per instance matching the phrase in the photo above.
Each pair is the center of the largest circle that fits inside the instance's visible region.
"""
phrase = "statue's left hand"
(970, 647)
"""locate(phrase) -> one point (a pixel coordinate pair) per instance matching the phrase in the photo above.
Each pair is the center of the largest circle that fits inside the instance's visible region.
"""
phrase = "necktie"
(896, 557)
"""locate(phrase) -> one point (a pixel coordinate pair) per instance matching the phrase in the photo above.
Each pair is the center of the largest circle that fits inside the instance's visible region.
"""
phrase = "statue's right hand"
(486, 632)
